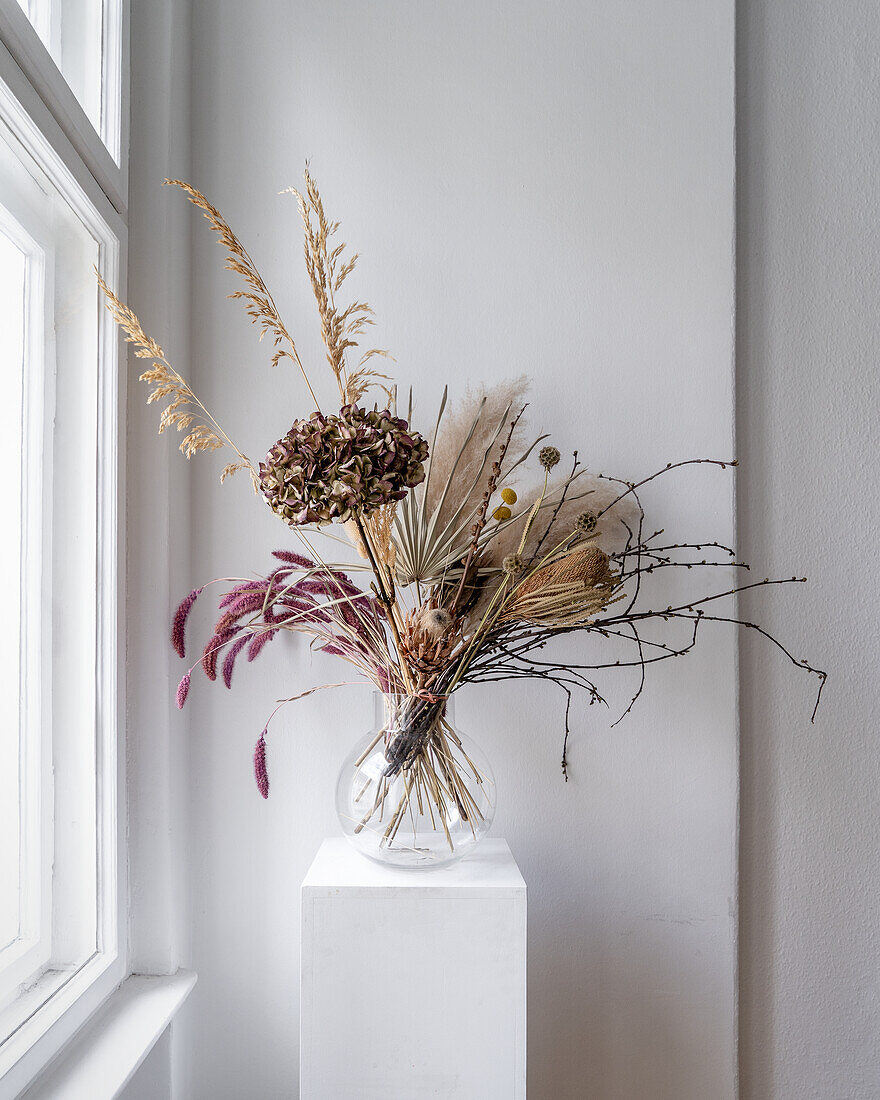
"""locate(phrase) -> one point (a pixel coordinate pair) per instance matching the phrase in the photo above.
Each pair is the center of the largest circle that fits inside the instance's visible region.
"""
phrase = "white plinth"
(413, 982)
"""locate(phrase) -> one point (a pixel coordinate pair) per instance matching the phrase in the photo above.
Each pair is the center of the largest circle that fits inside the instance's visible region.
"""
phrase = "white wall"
(809, 432)
(542, 188)
(158, 536)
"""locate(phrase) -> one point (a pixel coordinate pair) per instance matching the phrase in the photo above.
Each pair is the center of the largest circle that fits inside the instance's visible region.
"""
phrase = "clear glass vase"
(415, 791)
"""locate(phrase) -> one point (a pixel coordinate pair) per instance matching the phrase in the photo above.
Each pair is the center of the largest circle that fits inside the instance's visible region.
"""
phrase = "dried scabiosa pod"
(586, 523)
(512, 564)
(549, 457)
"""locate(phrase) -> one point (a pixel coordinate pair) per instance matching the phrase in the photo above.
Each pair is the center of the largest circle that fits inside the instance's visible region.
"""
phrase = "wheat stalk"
(259, 303)
(328, 268)
(203, 433)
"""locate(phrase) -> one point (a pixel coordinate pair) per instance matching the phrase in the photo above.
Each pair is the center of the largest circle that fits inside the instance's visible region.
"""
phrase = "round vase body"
(415, 791)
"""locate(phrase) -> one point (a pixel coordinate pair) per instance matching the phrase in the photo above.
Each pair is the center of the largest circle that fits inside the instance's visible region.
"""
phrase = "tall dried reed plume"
(328, 268)
(184, 408)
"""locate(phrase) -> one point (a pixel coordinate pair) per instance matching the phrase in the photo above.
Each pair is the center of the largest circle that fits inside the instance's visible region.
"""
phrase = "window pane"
(50, 844)
(83, 38)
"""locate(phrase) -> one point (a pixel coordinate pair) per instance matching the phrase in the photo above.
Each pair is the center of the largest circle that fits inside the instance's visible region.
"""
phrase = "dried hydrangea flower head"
(549, 457)
(329, 468)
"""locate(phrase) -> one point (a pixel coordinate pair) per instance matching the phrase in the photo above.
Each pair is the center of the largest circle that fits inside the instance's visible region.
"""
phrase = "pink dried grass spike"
(182, 691)
(229, 661)
(260, 773)
(178, 625)
(256, 646)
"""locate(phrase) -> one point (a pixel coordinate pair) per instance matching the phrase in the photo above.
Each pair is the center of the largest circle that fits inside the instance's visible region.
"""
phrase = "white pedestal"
(413, 982)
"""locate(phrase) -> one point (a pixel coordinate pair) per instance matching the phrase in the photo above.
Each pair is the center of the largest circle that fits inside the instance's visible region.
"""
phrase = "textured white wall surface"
(550, 191)
(534, 188)
(809, 435)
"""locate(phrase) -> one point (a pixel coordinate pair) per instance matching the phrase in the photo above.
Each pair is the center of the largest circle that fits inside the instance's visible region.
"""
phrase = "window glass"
(49, 339)
(82, 37)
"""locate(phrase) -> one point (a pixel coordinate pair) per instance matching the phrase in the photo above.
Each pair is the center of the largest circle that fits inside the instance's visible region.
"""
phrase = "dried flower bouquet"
(471, 573)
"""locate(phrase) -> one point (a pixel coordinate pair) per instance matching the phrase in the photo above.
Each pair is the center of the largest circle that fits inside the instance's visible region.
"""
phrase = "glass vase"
(415, 791)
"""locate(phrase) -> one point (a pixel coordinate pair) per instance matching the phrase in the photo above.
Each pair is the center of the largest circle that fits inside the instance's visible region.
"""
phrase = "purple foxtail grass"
(257, 643)
(229, 660)
(212, 652)
(260, 772)
(178, 625)
(293, 559)
(182, 691)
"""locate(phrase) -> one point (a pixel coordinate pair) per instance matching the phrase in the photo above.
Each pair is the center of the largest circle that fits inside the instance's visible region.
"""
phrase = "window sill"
(102, 1059)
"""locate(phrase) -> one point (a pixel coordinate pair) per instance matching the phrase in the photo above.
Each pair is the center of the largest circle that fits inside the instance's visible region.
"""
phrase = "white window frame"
(46, 118)
(104, 154)
(22, 957)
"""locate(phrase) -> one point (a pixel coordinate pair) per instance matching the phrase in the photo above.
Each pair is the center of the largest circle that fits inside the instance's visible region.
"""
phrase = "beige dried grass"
(259, 303)
(464, 440)
(204, 434)
(328, 268)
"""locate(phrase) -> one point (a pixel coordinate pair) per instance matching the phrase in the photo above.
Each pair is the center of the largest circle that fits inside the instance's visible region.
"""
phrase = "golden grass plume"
(259, 303)
(328, 267)
(184, 410)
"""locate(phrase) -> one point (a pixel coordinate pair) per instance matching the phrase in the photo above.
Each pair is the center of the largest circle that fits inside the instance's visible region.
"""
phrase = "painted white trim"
(59, 1007)
(59, 1004)
(107, 162)
(106, 1056)
(24, 957)
(49, 135)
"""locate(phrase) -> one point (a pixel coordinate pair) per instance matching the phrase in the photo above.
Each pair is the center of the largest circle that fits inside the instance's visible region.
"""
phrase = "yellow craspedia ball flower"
(508, 496)
(501, 513)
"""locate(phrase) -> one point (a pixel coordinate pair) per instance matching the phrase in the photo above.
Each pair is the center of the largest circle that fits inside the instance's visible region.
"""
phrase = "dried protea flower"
(512, 564)
(586, 522)
(330, 468)
(593, 565)
(434, 622)
(568, 591)
(549, 457)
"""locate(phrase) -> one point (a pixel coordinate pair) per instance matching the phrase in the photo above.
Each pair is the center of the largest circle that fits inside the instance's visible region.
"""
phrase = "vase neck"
(388, 709)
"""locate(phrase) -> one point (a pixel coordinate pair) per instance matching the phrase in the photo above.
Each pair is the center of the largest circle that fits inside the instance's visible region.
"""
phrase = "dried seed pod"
(586, 523)
(549, 457)
(512, 564)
